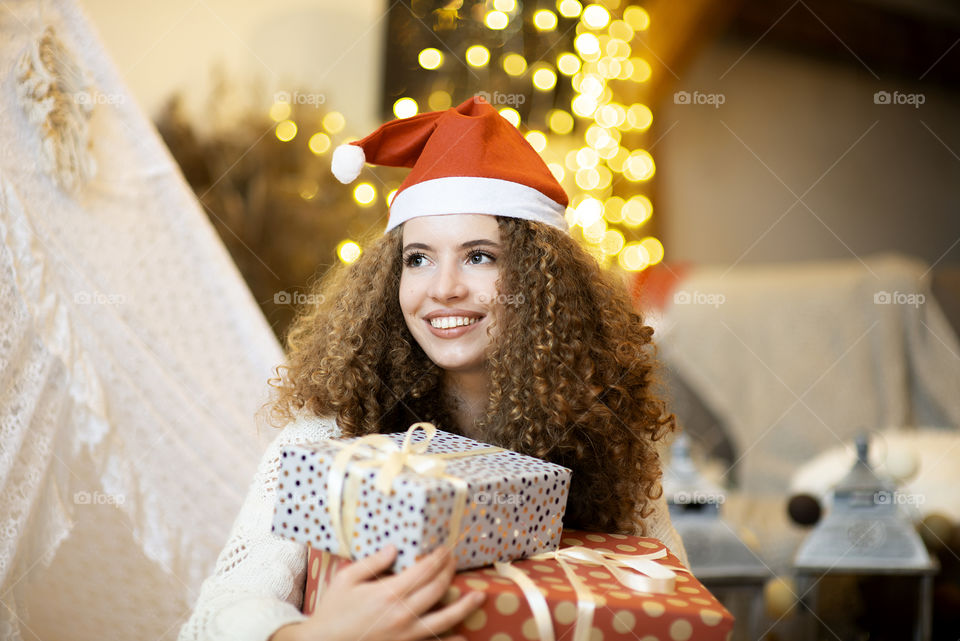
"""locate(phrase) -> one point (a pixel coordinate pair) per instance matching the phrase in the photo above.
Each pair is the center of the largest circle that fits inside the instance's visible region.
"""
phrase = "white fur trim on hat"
(348, 161)
(475, 195)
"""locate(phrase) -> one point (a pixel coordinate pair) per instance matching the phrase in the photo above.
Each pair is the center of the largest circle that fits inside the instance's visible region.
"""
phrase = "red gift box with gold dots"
(642, 593)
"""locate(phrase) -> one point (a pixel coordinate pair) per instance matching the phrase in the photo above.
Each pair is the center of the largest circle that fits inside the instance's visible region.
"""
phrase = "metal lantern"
(718, 558)
(865, 535)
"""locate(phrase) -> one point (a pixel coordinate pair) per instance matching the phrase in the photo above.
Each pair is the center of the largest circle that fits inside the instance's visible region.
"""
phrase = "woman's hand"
(357, 605)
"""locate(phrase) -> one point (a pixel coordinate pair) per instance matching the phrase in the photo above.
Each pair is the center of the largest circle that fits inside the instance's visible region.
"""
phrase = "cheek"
(490, 281)
(406, 296)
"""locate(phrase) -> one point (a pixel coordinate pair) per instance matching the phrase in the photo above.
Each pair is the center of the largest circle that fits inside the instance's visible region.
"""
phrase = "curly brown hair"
(571, 370)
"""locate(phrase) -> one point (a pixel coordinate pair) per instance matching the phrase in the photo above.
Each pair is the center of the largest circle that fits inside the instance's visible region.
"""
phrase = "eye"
(414, 259)
(479, 257)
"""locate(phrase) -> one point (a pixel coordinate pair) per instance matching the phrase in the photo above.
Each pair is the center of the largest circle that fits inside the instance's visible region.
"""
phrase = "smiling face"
(448, 286)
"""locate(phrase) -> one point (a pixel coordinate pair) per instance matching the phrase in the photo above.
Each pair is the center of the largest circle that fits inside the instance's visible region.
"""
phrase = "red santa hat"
(465, 160)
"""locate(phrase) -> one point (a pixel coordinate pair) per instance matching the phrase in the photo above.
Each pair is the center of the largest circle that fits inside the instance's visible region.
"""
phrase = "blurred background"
(734, 132)
(764, 164)
(777, 182)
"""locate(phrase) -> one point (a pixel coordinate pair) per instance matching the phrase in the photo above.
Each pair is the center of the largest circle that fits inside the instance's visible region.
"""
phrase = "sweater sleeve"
(257, 584)
(659, 526)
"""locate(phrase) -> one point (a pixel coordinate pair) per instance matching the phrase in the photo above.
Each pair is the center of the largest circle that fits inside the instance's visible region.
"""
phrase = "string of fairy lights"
(589, 165)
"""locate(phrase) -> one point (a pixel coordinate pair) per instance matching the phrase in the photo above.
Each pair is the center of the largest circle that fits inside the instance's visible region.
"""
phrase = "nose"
(447, 283)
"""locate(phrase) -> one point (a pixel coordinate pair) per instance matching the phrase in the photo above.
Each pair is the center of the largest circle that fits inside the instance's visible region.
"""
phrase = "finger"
(442, 620)
(420, 573)
(427, 594)
(368, 567)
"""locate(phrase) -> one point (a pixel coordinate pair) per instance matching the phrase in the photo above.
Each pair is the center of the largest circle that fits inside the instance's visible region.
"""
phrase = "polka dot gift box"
(641, 593)
(418, 490)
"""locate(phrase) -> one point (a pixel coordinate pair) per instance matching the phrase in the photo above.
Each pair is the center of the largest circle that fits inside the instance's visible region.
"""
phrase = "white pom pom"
(348, 161)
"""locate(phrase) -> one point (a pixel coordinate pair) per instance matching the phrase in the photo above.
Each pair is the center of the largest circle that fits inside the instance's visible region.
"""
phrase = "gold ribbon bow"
(654, 578)
(379, 451)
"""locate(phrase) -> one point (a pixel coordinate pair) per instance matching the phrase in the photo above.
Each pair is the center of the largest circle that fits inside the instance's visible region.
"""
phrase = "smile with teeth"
(446, 322)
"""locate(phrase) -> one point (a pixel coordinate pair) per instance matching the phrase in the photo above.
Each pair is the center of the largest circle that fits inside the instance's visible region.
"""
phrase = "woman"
(475, 311)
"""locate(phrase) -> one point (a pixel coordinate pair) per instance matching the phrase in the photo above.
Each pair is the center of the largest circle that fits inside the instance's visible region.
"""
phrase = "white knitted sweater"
(257, 586)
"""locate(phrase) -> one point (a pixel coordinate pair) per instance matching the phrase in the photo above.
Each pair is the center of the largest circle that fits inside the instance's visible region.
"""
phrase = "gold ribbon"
(654, 578)
(379, 451)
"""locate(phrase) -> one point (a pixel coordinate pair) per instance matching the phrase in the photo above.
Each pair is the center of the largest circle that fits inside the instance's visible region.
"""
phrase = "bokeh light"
(612, 209)
(639, 166)
(405, 107)
(365, 194)
(496, 20)
(595, 16)
(348, 251)
(286, 130)
(280, 110)
(514, 64)
(545, 20)
(569, 8)
(544, 79)
(637, 210)
(439, 100)
(319, 143)
(560, 122)
(430, 58)
(568, 64)
(613, 241)
(633, 257)
(587, 44)
(641, 70)
(636, 17)
(537, 140)
(334, 122)
(477, 56)
(511, 115)
(654, 248)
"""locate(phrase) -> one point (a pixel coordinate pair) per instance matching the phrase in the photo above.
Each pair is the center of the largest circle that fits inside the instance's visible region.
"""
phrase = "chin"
(455, 362)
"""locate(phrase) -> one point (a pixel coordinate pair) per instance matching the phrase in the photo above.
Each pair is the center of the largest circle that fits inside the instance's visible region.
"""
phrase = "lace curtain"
(132, 356)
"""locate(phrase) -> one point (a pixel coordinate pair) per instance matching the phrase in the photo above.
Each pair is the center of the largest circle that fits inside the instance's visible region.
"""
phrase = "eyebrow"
(481, 242)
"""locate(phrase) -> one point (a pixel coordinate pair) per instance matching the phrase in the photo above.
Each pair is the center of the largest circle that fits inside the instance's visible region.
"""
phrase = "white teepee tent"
(132, 355)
